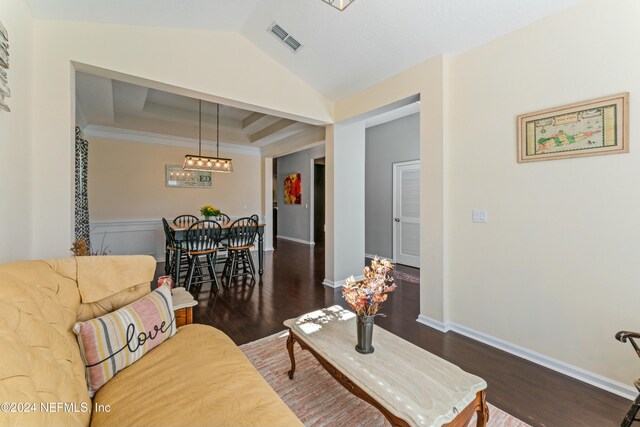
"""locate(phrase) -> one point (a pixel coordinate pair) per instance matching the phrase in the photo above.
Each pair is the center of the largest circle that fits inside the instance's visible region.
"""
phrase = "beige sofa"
(197, 378)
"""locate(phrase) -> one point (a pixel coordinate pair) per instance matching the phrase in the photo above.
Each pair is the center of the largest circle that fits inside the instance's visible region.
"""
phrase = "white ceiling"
(112, 104)
(343, 52)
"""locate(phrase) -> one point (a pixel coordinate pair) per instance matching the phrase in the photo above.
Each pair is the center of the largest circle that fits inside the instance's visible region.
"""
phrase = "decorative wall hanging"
(589, 128)
(82, 228)
(293, 189)
(176, 176)
(5, 92)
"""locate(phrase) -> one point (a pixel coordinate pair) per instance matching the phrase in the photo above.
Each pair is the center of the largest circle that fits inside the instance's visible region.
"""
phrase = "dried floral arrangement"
(80, 247)
(366, 297)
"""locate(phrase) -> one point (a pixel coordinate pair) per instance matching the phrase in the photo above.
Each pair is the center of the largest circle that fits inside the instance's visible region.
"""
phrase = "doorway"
(406, 213)
(318, 228)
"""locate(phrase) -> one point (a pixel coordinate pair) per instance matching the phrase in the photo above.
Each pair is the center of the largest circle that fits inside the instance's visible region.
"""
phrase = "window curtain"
(82, 230)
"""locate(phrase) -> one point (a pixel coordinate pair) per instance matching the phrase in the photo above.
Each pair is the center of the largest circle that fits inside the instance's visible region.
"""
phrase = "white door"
(406, 213)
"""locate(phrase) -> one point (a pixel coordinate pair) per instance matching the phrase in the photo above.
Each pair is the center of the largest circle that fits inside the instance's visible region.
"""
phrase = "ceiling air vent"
(278, 31)
(284, 37)
(293, 43)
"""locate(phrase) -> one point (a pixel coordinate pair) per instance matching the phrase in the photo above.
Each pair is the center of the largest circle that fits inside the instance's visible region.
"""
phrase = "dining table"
(180, 236)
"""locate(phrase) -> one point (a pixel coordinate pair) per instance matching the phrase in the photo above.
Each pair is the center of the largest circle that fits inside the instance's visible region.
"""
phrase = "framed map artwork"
(590, 128)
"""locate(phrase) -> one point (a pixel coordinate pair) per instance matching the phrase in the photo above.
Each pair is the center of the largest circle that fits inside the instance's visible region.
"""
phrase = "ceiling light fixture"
(205, 163)
(339, 4)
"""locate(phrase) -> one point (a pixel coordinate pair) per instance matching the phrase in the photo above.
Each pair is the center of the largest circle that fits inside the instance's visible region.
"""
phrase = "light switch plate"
(479, 215)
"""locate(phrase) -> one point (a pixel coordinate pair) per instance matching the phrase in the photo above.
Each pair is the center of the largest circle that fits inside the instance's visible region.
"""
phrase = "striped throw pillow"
(114, 341)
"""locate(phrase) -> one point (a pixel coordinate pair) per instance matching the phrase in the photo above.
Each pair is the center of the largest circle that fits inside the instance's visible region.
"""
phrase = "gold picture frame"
(590, 128)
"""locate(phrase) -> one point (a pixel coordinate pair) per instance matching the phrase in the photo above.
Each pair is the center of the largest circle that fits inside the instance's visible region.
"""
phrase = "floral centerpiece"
(367, 296)
(208, 211)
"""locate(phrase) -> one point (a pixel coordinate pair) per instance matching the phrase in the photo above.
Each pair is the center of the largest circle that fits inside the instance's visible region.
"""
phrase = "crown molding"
(120, 134)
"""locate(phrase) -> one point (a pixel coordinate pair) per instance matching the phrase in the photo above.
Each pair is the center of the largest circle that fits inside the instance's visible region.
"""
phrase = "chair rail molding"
(133, 237)
(129, 237)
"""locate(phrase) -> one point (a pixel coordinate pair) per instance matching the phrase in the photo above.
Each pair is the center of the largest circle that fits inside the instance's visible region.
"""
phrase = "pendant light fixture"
(205, 163)
(339, 4)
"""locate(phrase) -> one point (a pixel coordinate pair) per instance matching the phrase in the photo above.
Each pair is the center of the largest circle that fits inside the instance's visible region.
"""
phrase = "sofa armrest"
(183, 303)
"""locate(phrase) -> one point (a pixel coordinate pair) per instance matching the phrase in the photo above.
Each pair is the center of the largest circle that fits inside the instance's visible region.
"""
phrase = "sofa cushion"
(39, 357)
(197, 378)
(116, 340)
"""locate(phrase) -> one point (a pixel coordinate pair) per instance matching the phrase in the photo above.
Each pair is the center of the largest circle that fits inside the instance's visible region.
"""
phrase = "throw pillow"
(116, 340)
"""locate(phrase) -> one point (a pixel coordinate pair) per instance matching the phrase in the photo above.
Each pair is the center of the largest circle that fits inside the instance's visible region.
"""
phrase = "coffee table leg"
(483, 410)
(290, 341)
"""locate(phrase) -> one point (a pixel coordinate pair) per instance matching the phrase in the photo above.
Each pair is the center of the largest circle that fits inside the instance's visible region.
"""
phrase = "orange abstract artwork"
(293, 189)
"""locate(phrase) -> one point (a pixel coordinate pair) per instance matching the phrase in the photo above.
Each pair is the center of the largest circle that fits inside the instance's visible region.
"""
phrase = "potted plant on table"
(209, 211)
(366, 297)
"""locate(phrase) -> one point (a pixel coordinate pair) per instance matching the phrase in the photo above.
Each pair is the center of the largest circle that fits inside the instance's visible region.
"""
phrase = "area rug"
(319, 400)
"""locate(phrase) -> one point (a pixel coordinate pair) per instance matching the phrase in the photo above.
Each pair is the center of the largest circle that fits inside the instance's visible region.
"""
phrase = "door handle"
(396, 219)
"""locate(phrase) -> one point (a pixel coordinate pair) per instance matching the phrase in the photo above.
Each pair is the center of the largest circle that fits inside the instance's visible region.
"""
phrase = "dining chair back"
(168, 233)
(170, 259)
(242, 232)
(184, 221)
(202, 240)
(631, 416)
(224, 218)
(240, 237)
(203, 236)
(169, 247)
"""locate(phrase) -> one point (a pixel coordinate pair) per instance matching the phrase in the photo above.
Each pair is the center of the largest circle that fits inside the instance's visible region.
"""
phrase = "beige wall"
(555, 269)
(429, 81)
(127, 182)
(15, 135)
(187, 60)
(553, 272)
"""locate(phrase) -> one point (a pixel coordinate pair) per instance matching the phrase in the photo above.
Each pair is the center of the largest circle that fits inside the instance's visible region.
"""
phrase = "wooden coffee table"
(409, 385)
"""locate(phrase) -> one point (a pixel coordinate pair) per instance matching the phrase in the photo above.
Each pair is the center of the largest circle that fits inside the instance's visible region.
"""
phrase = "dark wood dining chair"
(240, 239)
(630, 417)
(223, 253)
(170, 247)
(184, 221)
(170, 255)
(203, 239)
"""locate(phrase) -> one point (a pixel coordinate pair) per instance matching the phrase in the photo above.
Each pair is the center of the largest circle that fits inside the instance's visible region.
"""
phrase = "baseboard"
(371, 256)
(564, 368)
(339, 283)
(432, 323)
(293, 239)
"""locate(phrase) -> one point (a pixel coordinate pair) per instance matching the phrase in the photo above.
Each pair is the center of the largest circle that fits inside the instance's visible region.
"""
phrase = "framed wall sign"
(590, 128)
(176, 176)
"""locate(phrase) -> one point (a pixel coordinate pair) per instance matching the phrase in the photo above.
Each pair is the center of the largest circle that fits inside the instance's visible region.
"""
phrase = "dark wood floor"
(292, 285)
